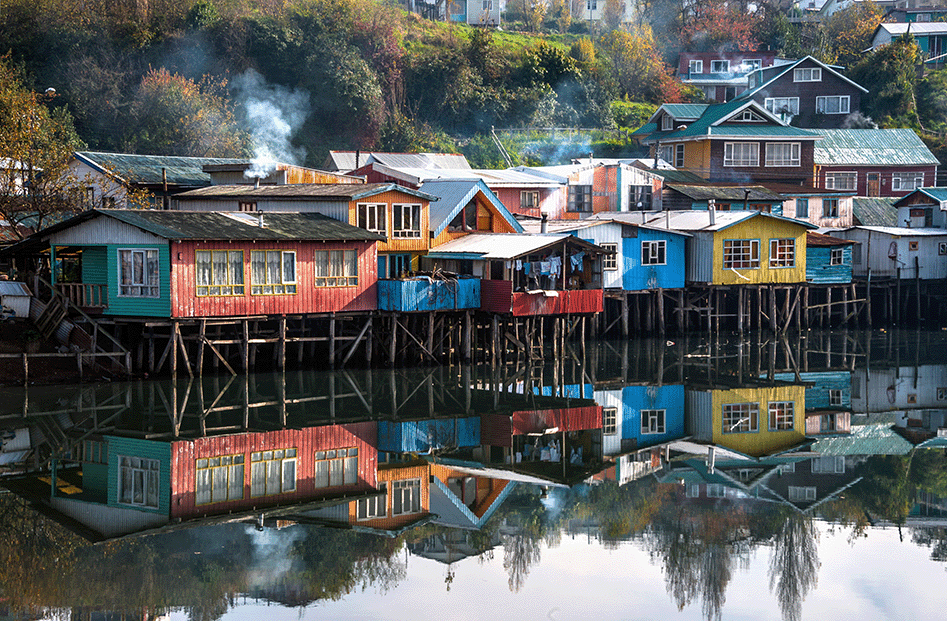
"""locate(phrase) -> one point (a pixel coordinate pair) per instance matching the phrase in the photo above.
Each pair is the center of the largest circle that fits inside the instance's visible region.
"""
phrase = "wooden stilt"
(660, 310)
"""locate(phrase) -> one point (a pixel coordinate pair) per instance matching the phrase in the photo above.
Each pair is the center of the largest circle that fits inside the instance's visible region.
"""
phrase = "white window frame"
(748, 156)
(695, 66)
(653, 422)
(841, 180)
(667, 122)
(906, 182)
(234, 283)
(837, 256)
(752, 64)
(407, 218)
(782, 252)
(335, 467)
(835, 396)
(783, 154)
(654, 252)
(375, 506)
(610, 261)
(744, 254)
(283, 283)
(679, 155)
(822, 103)
(139, 482)
(782, 415)
(807, 74)
(406, 494)
(372, 217)
(528, 199)
(720, 66)
(609, 421)
(740, 417)
(272, 462)
(148, 285)
(774, 105)
(334, 268)
(798, 493)
(227, 470)
(828, 464)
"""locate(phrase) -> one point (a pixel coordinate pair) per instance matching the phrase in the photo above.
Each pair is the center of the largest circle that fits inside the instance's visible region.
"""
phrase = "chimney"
(262, 225)
(544, 225)
(256, 183)
(712, 208)
(358, 156)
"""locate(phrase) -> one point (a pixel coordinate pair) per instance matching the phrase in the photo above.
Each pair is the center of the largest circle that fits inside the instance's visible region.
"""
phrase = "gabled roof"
(603, 218)
(301, 191)
(148, 169)
(454, 195)
(493, 178)
(680, 112)
(711, 124)
(214, 225)
(784, 69)
(818, 239)
(725, 193)
(503, 246)
(871, 147)
(874, 211)
(345, 160)
(938, 195)
(699, 220)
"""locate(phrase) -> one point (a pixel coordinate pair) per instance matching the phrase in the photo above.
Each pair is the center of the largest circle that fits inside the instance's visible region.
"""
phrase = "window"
(609, 421)
(787, 468)
(246, 206)
(840, 180)
(529, 200)
(802, 207)
(836, 256)
(667, 124)
(406, 221)
(832, 104)
(835, 396)
(782, 252)
(741, 417)
(751, 64)
(336, 268)
(828, 464)
(138, 273)
(782, 105)
(373, 217)
(374, 506)
(781, 415)
(652, 421)
(219, 272)
(610, 261)
(913, 246)
(138, 481)
(797, 494)
(272, 472)
(219, 479)
(716, 490)
(830, 208)
(580, 198)
(720, 66)
(693, 490)
(811, 74)
(695, 66)
(487, 5)
(741, 154)
(406, 497)
(741, 254)
(828, 423)
(643, 196)
(93, 452)
(336, 467)
(272, 272)
(905, 182)
(782, 154)
(679, 155)
(654, 252)
(591, 5)
(923, 17)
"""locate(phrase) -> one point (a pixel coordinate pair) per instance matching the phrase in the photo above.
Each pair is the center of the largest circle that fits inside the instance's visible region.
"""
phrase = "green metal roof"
(871, 439)
(765, 131)
(645, 130)
(871, 211)
(936, 194)
(150, 169)
(725, 193)
(679, 176)
(685, 110)
(871, 147)
(710, 124)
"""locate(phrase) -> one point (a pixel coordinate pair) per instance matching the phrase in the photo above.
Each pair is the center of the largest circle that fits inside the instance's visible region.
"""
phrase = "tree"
(850, 30)
(613, 14)
(172, 115)
(36, 145)
(890, 75)
(636, 66)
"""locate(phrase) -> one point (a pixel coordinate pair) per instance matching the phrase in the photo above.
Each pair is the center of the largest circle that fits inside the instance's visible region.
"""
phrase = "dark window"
(580, 198)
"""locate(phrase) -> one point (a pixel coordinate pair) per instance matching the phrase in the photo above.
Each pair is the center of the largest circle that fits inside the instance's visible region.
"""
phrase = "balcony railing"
(424, 294)
(85, 295)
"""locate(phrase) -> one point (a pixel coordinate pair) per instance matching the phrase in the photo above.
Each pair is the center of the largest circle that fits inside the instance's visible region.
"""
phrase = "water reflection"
(300, 488)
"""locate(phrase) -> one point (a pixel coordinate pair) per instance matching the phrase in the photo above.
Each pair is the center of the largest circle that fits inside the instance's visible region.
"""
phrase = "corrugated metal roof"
(916, 28)
(871, 439)
(874, 211)
(345, 160)
(901, 231)
(938, 195)
(298, 191)
(454, 195)
(605, 217)
(694, 220)
(493, 178)
(711, 124)
(768, 131)
(680, 176)
(818, 239)
(685, 111)
(9, 287)
(501, 246)
(236, 225)
(147, 169)
(871, 147)
(725, 193)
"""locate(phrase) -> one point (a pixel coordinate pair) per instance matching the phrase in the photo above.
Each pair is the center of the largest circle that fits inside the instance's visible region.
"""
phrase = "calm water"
(720, 479)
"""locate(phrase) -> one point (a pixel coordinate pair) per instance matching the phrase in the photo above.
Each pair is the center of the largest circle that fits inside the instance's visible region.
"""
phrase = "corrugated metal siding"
(700, 257)
(424, 295)
(422, 436)
(609, 233)
(96, 231)
(145, 449)
(640, 277)
(698, 406)
(139, 306)
(566, 419)
(308, 298)
(305, 441)
(337, 210)
(819, 269)
(567, 302)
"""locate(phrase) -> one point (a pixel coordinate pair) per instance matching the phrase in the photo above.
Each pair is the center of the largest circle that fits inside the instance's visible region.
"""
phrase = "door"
(874, 184)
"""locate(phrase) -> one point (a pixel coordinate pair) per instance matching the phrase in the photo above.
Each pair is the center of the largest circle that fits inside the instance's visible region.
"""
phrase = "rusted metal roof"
(818, 239)
(150, 169)
(301, 191)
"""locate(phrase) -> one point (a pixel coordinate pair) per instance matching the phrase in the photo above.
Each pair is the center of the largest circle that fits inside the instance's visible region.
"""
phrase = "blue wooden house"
(425, 436)
(828, 259)
(636, 417)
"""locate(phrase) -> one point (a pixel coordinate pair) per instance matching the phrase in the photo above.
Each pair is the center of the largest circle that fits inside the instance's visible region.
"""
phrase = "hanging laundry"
(544, 267)
(577, 259)
(509, 264)
(528, 268)
(519, 265)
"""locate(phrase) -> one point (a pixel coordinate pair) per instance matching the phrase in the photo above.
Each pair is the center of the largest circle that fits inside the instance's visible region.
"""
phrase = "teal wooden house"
(828, 259)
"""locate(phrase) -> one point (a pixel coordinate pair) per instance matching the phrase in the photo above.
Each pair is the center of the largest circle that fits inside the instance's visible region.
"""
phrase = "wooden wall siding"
(807, 93)
(764, 229)
(638, 277)
(401, 472)
(139, 306)
(496, 430)
(669, 398)
(885, 172)
(782, 174)
(421, 436)
(424, 295)
(819, 269)
(95, 265)
(103, 230)
(567, 302)
(566, 419)
(485, 213)
(875, 246)
(763, 441)
(307, 299)
(488, 489)
(95, 482)
(552, 201)
(395, 244)
(843, 424)
(145, 449)
(306, 442)
(337, 209)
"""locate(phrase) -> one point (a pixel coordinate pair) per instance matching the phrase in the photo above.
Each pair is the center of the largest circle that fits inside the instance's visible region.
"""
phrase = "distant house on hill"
(350, 161)
(722, 76)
